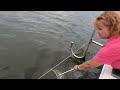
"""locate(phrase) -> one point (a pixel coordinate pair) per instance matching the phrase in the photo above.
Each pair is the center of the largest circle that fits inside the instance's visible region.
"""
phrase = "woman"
(107, 26)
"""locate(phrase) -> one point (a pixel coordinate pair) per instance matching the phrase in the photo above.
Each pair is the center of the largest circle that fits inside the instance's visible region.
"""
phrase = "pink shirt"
(110, 53)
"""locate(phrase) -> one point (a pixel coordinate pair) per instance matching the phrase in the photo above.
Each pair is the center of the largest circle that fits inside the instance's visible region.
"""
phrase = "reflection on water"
(32, 42)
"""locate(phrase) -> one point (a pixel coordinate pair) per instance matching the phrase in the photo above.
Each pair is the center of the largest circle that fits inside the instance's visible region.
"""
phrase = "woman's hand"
(76, 67)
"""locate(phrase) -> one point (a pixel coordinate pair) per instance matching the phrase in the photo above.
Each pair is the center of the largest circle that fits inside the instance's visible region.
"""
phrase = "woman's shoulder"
(113, 40)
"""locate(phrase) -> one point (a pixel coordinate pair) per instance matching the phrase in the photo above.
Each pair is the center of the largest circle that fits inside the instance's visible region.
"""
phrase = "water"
(32, 42)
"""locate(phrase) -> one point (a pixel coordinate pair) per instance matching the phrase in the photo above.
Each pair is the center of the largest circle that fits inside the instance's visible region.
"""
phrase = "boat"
(106, 72)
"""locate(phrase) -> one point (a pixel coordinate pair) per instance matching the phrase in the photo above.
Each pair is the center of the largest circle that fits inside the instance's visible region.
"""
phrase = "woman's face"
(102, 30)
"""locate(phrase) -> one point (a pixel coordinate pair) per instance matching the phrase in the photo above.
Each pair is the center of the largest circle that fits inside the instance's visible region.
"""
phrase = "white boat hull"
(106, 72)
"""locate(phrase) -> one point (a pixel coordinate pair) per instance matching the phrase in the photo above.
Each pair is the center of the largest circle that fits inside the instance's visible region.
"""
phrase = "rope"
(66, 72)
(60, 62)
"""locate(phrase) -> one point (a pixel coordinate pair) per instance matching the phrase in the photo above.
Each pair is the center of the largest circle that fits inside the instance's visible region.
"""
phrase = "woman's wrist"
(79, 68)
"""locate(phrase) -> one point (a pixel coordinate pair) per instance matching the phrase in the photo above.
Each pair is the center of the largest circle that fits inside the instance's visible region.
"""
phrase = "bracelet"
(78, 67)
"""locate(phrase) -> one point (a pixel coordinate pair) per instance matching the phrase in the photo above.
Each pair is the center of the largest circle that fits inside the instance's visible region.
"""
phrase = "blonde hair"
(112, 20)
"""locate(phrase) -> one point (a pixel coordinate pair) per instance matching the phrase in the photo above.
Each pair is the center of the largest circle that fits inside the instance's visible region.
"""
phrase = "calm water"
(32, 42)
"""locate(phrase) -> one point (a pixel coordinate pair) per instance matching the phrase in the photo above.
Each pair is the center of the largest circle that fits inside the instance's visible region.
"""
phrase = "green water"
(32, 42)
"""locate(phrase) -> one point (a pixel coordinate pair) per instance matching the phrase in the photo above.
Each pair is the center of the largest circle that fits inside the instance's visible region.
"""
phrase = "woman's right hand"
(76, 67)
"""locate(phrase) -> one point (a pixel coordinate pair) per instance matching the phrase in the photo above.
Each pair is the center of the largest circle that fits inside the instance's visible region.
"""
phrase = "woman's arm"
(87, 65)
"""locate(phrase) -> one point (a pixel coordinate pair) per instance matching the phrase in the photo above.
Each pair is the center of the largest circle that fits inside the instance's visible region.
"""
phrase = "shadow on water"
(66, 65)
(51, 57)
